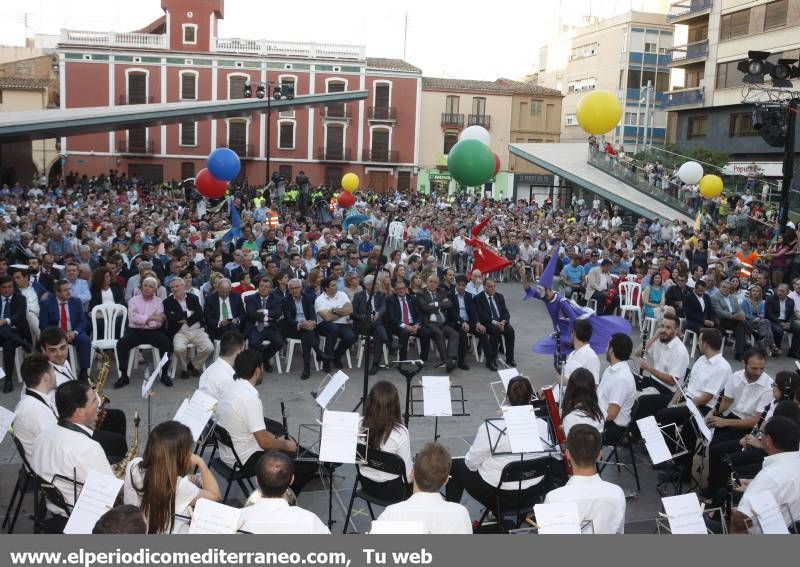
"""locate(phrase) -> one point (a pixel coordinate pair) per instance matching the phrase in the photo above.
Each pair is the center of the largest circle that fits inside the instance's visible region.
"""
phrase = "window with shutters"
(190, 33)
(236, 86)
(697, 127)
(734, 25)
(287, 82)
(379, 151)
(336, 109)
(286, 135)
(451, 104)
(382, 95)
(188, 85)
(137, 87)
(188, 133)
(536, 107)
(334, 141)
(450, 140)
(187, 170)
(237, 137)
(137, 140)
(479, 105)
(741, 125)
(403, 181)
(775, 14)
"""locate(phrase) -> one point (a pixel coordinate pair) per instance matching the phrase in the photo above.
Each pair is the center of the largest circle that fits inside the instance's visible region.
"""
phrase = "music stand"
(587, 528)
(322, 385)
(680, 451)
(663, 527)
(409, 369)
(458, 400)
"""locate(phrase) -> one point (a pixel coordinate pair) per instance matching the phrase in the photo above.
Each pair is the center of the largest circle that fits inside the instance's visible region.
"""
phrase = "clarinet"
(759, 423)
(645, 338)
(284, 421)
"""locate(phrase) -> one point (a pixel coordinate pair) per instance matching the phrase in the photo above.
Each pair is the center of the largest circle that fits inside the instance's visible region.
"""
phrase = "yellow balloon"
(598, 112)
(350, 182)
(710, 186)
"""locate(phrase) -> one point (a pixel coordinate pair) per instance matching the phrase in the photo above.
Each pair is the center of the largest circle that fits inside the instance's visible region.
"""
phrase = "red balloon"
(346, 200)
(496, 164)
(209, 186)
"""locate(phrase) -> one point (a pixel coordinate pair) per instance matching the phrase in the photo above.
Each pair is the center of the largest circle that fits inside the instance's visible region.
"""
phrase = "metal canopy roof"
(40, 124)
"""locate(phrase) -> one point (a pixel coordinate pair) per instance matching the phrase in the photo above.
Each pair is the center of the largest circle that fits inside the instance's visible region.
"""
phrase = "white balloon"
(690, 172)
(476, 133)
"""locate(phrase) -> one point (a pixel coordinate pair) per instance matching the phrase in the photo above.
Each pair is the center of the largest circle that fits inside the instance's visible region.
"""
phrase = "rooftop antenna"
(405, 36)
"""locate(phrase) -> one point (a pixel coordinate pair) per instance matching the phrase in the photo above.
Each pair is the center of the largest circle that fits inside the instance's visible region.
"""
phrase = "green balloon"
(471, 162)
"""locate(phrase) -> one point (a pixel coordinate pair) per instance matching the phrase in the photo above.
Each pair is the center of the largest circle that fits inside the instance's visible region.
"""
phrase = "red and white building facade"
(180, 57)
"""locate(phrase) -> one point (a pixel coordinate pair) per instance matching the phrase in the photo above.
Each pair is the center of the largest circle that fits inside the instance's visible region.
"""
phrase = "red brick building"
(180, 57)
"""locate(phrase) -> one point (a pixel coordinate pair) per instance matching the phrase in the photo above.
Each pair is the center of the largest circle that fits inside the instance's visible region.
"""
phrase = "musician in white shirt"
(386, 433)
(218, 377)
(431, 469)
(617, 391)
(580, 403)
(670, 359)
(68, 448)
(271, 513)
(582, 355)
(36, 411)
(599, 501)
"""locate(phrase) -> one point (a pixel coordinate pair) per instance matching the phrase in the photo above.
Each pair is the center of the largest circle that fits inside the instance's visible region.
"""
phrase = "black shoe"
(325, 356)
(8, 385)
(123, 381)
(374, 370)
(463, 365)
(268, 366)
(194, 372)
(490, 364)
(306, 373)
(166, 380)
(184, 374)
(451, 365)
(511, 363)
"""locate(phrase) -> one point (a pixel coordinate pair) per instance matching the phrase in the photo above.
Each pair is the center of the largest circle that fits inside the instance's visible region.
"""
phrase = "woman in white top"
(386, 433)
(580, 402)
(160, 483)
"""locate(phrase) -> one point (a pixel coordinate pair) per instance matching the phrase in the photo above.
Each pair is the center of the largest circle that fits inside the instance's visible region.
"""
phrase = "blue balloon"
(224, 164)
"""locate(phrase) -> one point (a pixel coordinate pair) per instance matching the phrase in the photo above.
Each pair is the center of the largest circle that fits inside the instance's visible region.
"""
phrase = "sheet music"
(769, 514)
(336, 383)
(558, 518)
(395, 527)
(654, 440)
(6, 419)
(214, 518)
(684, 514)
(339, 437)
(148, 385)
(194, 416)
(506, 374)
(522, 429)
(436, 400)
(699, 420)
(201, 399)
(97, 497)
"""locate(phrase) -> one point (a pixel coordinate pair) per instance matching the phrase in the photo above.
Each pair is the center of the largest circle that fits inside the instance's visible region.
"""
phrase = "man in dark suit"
(405, 321)
(698, 308)
(779, 311)
(245, 267)
(224, 311)
(38, 277)
(462, 317)
(262, 322)
(675, 296)
(185, 327)
(66, 312)
(369, 319)
(300, 322)
(14, 331)
(730, 316)
(494, 317)
(434, 303)
(296, 268)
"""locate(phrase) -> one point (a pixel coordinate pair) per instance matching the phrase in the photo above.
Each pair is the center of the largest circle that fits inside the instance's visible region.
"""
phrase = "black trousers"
(613, 433)
(336, 331)
(462, 340)
(651, 403)
(492, 342)
(137, 337)
(380, 337)
(445, 338)
(268, 333)
(681, 417)
(423, 336)
(308, 341)
(10, 340)
(718, 470)
(739, 329)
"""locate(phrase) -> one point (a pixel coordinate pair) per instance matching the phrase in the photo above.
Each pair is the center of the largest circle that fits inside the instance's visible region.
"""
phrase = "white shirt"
(709, 375)
(399, 444)
(59, 450)
(185, 494)
(275, 516)
(107, 297)
(430, 508)
(490, 467)
(324, 301)
(31, 417)
(577, 416)
(33, 300)
(671, 358)
(748, 399)
(241, 413)
(782, 304)
(217, 378)
(617, 386)
(779, 477)
(583, 357)
(472, 289)
(599, 501)
(458, 244)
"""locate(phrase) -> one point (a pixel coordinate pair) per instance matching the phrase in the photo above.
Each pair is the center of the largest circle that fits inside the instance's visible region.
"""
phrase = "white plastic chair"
(110, 314)
(396, 229)
(247, 294)
(322, 348)
(686, 335)
(361, 342)
(143, 349)
(627, 291)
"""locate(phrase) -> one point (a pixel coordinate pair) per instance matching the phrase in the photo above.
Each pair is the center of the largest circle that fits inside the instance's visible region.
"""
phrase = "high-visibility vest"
(746, 263)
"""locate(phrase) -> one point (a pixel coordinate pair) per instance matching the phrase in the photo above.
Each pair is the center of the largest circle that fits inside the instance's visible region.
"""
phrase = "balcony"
(127, 99)
(381, 156)
(244, 151)
(684, 97)
(336, 112)
(114, 39)
(451, 120)
(382, 114)
(687, 10)
(135, 147)
(292, 49)
(484, 120)
(688, 54)
(332, 154)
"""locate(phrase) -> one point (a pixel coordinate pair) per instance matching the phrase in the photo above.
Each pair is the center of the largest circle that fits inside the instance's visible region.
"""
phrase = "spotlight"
(755, 66)
(276, 93)
(261, 92)
(248, 89)
(784, 73)
(287, 90)
(770, 121)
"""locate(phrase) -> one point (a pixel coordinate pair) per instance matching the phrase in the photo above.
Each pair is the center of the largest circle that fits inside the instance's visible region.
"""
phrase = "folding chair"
(26, 482)
(520, 500)
(236, 473)
(56, 522)
(627, 441)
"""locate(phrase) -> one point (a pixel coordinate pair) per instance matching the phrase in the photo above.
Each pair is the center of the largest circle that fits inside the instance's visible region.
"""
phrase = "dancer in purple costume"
(564, 311)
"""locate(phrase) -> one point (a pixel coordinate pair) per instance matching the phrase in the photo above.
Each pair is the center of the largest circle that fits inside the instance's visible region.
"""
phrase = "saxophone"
(133, 450)
(100, 386)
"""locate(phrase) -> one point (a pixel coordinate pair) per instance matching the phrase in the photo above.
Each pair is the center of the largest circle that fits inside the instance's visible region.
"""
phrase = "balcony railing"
(114, 39)
(244, 151)
(127, 99)
(382, 113)
(289, 49)
(696, 50)
(685, 97)
(333, 154)
(136, 147)
(336, 112)
(381, 156)
(480, 120)
(686, 8)
(452, 120)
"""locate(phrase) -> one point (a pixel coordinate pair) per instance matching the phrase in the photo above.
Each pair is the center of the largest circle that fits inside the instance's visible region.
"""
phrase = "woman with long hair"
(161, 483)
(755, 316)
(580, 403)
(313, 287)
